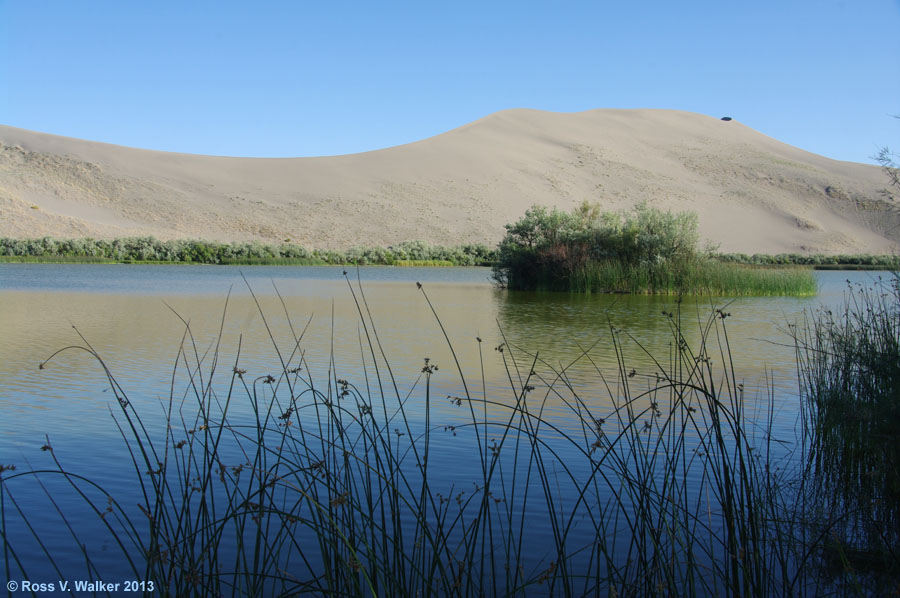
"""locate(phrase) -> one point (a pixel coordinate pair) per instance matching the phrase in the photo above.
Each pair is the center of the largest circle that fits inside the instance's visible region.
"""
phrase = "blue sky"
(304, 78)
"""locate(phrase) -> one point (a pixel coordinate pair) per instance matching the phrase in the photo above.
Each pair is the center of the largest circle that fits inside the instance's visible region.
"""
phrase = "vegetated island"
(645, 250)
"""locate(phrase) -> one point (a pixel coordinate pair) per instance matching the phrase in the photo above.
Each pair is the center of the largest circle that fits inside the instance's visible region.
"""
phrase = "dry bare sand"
(751, 192)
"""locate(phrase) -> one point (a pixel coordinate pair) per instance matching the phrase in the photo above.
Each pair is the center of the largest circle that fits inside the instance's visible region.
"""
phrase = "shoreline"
(83, 261)
(882, 263)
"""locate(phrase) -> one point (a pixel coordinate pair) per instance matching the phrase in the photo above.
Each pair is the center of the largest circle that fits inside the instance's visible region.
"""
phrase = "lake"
(165, 333)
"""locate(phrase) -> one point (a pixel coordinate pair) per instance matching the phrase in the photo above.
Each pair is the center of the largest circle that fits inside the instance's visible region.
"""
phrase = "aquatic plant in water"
(335, 486)
(849, 362)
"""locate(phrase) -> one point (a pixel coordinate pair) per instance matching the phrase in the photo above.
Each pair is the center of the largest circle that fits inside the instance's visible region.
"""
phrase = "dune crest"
(751, 192)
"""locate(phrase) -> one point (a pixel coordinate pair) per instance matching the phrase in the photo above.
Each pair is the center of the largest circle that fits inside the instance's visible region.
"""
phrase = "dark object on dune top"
(726, 118)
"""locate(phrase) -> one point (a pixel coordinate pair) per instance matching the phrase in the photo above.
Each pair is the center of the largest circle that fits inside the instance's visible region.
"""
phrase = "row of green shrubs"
(149, 249)
(819, 259)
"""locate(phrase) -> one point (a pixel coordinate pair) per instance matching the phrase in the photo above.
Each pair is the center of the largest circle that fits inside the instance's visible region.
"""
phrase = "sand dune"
(752, 193)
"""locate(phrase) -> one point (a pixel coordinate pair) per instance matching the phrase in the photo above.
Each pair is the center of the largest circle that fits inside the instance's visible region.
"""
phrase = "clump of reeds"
(666, 486)
(849, 365)
(695, 277)
(424, 263)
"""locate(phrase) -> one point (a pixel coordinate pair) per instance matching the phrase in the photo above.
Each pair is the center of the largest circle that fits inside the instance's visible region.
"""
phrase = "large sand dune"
(752, 193)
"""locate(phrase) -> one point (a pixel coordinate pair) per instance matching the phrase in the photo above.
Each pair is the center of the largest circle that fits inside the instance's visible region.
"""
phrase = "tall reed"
(849, 364)
(696, 277)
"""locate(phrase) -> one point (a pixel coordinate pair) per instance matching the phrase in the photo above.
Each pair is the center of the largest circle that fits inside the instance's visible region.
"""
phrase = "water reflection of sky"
(211, 280)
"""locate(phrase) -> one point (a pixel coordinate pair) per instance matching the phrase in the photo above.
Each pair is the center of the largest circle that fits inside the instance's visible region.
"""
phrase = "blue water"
(211, 280)
(160, 329)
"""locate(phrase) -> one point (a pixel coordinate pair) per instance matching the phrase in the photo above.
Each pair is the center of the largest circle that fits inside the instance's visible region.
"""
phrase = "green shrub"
(551, 248)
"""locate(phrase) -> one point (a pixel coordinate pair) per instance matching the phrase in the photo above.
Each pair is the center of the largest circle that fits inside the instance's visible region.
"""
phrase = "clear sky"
(319, 78)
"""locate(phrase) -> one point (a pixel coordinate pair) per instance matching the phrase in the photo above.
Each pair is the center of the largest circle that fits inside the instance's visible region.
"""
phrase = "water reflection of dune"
(138, 335)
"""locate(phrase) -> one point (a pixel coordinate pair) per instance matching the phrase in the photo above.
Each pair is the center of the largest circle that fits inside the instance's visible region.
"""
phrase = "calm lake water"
(137, 319)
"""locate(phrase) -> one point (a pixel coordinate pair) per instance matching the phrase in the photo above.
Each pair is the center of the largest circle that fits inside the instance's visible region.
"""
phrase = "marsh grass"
(88, 259)
(856, 261)
(424, 263)
(696, 277)
(849, 361)
(55, 259)
(330, 487)
(274, 261)
(852, 267)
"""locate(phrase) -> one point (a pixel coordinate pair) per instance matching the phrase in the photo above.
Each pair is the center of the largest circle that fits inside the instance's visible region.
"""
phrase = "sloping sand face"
(752, 193)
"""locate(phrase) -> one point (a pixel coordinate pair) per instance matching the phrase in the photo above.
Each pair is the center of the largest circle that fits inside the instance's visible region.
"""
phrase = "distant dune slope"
(752, 193)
